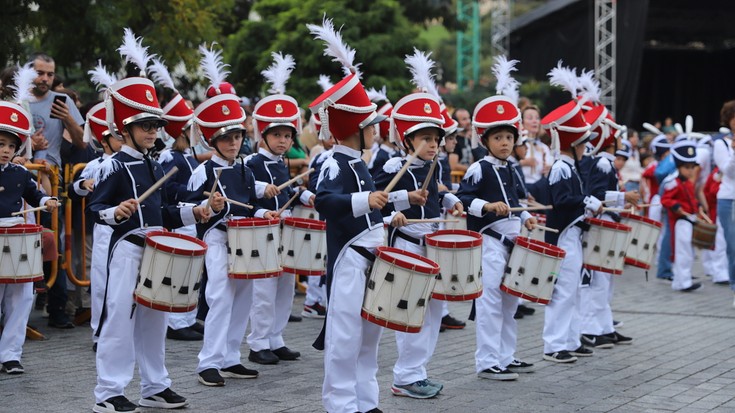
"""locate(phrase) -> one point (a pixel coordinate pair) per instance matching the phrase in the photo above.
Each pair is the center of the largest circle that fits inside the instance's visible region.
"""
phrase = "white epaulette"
(474, 173)
(393, 165)
(91, 170)
(198, 177)
(560, 170)
(330, 167)
(165, 156)
(108, 167)
(604, 165)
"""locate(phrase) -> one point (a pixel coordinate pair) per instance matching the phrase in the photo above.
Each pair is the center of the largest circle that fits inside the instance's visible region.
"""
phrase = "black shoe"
(167, 399)
(560, 357)
(594, 341)
(617, 324)
(13, 367)
(198, 327)
(294, 318)
(116, 404)
(238, 371)
(452, 323)
(518, 315)
(211, 377)
(285, 353)
(442, 329)
(60, 322)
(725, 282)
(375, 410)
(582, 351)
(498, 373)
(693, 287)
(526, 310)
(94, 347)
(518, 366)
(263, 357)
(618, 338)
(183, 334)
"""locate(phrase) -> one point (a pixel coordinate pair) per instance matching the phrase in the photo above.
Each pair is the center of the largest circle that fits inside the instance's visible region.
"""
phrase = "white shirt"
(543, 157)
(725, 161)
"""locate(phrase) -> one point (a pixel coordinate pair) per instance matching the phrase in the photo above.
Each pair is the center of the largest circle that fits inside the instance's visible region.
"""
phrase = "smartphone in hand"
(57, 98)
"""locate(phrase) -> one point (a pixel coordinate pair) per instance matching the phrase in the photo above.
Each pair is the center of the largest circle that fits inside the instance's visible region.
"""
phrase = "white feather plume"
(212, 66)
(590, 87)
(23, 80)
(689, 124)
(101, 77)
(376, 95)
(506, 85)
(678, 128)
(420, 66)
(565, 78)
(132, 51)
(325, 82)
(277, 74)
(649, 127)
(160, 74)
(335, 46)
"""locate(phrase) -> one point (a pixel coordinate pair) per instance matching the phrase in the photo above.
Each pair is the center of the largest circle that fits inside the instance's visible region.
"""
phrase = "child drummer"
(682, 210)
(220, 119)
(489, 190)
(347, 199)
(277, 119)
(129, 333)
(569, 132)
(18, 185)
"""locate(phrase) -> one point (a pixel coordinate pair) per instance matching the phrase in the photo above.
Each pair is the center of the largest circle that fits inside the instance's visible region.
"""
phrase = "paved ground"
(683, 360)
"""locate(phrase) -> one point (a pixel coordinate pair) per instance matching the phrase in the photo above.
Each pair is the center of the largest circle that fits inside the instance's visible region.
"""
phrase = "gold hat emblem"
(149, 95)
(14, 117)
(690, 151)
(500, 109)
(427, 108)
(225, 110)
(279, 108)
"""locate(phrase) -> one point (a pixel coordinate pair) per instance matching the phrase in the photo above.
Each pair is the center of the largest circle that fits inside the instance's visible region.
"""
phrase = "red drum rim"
(706, 226)
(21, 280)
(456, 297)
(252, 222)
(525, 296)
(306, 273)
(389, 324)
(169, 308)
(541, 247)
(305, 223)
(476, 240)
(174, 250)
(255, 275)
(608, 224)
(21, 229)
(602, 269)
(431, 268)
(637, 263)
(643, 219)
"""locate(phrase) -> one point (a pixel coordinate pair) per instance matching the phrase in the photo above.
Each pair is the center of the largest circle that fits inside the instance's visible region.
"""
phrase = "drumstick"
(545, 228)
(431, 173)
(233, 202)
(403, 170)
(154, 187)
(706, 218)
(631, 210)
(420, 221)
(646, 205)
(214, 187)
(41, 208)
(530, 208)
(283, 208)
(294, 179)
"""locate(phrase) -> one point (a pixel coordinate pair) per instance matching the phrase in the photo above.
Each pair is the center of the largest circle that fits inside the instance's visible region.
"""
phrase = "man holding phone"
(53, 112)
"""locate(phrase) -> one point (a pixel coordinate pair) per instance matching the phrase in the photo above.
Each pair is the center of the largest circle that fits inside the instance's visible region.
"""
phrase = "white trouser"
(445, 308)
(496, 329)
(715, 261)
(315, 293)
(683, 255)
(561, 318)
(594, 303)
(351, 342)
(229, 303)
(98, 272)
(415, 349)
(178, 321)
(127, 328)
(655, 212)
(272, 301)
(17, 302)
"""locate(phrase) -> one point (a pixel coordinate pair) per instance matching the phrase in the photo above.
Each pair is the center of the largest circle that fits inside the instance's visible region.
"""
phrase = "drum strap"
(401, 234)
(582, 225)
(135, 240)
(500, 237)
(365, 253)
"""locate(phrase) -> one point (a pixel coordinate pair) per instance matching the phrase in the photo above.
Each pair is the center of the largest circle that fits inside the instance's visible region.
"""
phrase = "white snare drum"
(532, 270)
(304, 246)
(459, 255)
(254, 246)
(304, 211)
(21, 260)
(536, 234)
(462, 224)
(398, 289)
(170, 272)
(644, 234)
(604, 246)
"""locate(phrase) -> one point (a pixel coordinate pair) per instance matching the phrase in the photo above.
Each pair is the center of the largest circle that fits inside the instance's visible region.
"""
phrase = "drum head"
(407, 260)
(454, 238)
(175, 243)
